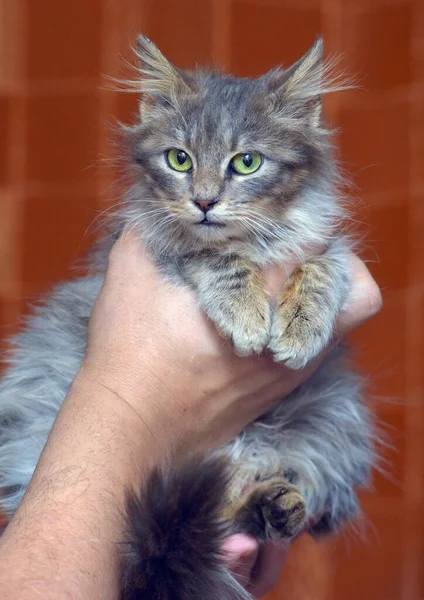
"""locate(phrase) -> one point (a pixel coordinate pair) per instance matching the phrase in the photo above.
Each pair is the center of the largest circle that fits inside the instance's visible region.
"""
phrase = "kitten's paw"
(297, 337)
(309, 305)
(248, 329)
(283, 508)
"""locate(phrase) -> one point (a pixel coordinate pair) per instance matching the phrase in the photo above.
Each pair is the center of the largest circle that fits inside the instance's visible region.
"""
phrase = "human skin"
(157, 381)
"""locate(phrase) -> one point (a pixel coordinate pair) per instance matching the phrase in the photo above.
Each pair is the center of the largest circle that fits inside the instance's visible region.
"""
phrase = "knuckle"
(374, 299)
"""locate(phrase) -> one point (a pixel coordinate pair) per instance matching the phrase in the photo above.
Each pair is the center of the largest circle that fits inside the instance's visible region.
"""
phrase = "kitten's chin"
(210, 232)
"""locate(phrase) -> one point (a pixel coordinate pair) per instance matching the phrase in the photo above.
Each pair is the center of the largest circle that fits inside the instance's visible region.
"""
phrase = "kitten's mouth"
(207, 223)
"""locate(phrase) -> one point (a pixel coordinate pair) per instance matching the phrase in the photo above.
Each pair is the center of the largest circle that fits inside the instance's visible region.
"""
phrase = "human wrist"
(122, 402)
(137, 404)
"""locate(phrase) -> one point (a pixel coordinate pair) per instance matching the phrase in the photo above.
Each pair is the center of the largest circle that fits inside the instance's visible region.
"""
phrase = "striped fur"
(306, 458)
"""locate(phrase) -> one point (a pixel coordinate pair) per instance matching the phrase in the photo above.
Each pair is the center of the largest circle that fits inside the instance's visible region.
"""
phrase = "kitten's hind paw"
(284, 510)
(273, 510)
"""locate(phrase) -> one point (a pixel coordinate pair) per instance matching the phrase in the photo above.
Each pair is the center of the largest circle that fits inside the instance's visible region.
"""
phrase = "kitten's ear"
(302, 84)
(160, 80)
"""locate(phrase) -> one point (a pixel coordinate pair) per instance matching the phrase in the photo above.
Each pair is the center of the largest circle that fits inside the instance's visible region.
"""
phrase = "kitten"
(230, 175)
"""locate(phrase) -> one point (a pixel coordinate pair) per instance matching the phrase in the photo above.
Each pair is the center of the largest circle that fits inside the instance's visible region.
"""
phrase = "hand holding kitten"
(147, 335)
(219, 393)
(152, 347)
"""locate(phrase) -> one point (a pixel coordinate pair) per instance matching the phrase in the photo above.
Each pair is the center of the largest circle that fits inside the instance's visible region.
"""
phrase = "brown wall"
(55, 115)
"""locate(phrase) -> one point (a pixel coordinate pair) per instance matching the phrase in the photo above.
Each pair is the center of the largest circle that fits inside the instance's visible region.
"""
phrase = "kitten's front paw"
(248, 328)
(298, 336)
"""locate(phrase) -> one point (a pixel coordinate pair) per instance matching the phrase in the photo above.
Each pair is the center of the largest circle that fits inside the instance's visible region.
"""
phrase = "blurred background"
(56, 122)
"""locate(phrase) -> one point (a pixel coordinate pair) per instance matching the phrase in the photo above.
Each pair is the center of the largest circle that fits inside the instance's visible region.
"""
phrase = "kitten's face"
(222, 158)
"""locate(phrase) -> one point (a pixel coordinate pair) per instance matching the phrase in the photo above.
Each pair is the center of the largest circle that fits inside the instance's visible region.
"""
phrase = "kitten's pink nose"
(205, 204)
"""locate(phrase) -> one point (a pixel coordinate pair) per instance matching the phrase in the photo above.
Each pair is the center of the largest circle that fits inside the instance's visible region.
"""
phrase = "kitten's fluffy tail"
(175, 537)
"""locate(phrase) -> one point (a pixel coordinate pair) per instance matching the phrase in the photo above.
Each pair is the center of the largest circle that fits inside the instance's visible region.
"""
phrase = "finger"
(277, 275)
(128, 253)
(267, 569)
(240, 553)
(364, 300)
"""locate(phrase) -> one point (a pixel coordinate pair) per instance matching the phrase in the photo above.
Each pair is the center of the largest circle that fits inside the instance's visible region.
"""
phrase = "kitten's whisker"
(259, 227)
(251, 228)
(107, 212)
(170, 240)
(138, 219)
(155, 226)
(150, 213)
(112, 211)
(274, 233)
(259, 217)
(277, 231)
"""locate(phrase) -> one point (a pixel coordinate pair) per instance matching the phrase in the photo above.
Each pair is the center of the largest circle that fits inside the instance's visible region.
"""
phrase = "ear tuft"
(305, 77)
(159, 78)
(302, 85)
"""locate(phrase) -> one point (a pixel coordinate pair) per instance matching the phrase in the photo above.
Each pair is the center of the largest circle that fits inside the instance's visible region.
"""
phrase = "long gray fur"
(323, 431)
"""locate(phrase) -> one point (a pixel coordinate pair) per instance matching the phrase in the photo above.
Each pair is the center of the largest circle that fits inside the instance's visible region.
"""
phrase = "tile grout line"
(110, 27)
(221, 52)
(221, 33)
(331, 25)
(414, 492)
(112, 60)
(18, 134)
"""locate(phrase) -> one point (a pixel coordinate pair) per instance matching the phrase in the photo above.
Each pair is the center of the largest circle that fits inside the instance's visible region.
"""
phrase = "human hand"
(150, 343)
(257, 568)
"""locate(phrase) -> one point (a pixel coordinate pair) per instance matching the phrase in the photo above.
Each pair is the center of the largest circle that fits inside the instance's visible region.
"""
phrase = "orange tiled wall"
(55, 118)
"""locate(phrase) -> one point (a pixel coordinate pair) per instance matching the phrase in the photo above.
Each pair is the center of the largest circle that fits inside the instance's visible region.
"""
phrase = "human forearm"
(65, 536)
(157, 380)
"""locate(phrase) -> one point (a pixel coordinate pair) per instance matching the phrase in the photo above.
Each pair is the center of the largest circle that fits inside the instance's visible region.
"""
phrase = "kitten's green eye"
(245, 164)
(179, 160)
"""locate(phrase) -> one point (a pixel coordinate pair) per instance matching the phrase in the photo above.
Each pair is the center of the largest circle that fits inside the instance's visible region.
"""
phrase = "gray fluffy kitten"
(229, 175)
